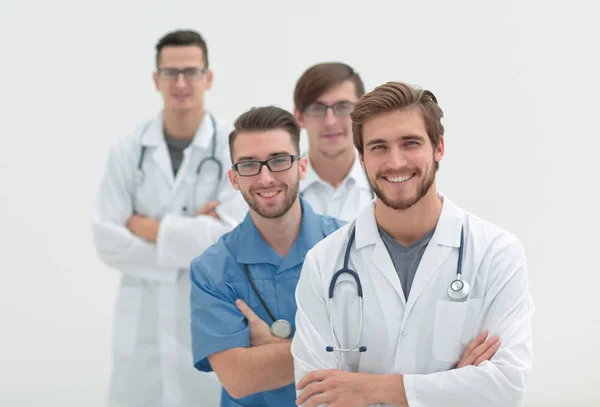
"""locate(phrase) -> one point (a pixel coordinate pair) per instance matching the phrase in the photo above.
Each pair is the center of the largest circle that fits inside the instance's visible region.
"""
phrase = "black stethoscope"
(459, 289)
(279, 327)
(139, 172)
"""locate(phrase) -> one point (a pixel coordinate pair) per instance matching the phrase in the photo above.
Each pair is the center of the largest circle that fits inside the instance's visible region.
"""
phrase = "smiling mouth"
(267, 194)
(399, 179)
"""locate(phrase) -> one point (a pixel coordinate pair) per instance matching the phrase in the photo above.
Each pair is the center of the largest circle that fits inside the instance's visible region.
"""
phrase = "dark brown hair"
(265, 118)
(392, 96)
(181, 38)
(317, 79)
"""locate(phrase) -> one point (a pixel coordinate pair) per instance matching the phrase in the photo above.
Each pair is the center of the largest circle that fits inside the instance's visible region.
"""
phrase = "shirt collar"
(252, 248)
(447, 230)
(356, 176)
(153, 132)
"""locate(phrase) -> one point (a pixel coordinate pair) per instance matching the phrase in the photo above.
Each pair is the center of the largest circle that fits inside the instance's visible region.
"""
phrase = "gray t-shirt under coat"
(176, 147)
(406, 259)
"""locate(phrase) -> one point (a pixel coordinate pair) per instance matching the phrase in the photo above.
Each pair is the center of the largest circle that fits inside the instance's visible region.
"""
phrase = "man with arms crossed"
(421, 309)
(246, 282)
(151, 218)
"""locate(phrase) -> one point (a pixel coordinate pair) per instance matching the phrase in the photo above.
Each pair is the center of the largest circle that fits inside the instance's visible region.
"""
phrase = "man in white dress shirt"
(335, 183)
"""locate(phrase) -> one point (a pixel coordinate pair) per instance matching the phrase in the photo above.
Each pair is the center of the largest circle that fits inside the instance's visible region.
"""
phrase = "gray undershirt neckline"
(176, 147)
(406, 259)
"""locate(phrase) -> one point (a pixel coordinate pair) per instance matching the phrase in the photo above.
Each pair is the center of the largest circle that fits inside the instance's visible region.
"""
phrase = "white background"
(518, 80)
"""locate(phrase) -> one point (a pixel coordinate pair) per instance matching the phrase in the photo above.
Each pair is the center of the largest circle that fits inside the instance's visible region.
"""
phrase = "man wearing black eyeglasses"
(152, 216)
(335, 183)
(243, 288)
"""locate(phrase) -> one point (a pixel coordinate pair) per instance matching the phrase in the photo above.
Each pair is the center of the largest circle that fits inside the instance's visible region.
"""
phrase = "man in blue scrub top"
(259, 263)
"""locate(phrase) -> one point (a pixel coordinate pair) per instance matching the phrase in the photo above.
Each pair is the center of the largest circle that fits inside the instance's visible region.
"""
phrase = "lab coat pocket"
(454, 323)
(473, 313)
(127, 319)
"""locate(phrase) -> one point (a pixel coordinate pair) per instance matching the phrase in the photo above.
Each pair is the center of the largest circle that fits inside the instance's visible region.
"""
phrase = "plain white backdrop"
(519, 82)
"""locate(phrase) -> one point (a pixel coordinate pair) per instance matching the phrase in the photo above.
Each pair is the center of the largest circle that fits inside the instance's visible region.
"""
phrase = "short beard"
(274, 213)
(422, 190)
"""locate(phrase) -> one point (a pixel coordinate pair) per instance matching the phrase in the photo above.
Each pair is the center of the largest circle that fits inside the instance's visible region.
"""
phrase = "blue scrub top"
(218, 280)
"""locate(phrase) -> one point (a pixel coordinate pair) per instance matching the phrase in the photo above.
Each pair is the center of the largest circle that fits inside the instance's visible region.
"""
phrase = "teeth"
(268, 194)
(399, 179)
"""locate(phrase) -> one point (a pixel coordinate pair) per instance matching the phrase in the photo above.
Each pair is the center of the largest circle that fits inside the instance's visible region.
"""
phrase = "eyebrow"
(253, 158)
(180, 69)
(319, 102)
(403, 138)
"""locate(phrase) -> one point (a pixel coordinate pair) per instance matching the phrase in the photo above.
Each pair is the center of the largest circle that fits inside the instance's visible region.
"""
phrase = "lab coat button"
(403, 333)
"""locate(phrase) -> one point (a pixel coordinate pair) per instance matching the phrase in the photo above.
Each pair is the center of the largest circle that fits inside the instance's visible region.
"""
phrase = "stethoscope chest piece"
(459, 289)
(281, 328)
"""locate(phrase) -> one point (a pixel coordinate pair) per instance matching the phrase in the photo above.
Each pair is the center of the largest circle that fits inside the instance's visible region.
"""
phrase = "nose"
(330, 118)
(180, 80)
(397, 158)
(265, 176)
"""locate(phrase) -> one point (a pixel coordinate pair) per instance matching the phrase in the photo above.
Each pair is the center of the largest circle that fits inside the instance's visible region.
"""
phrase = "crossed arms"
(499, 382)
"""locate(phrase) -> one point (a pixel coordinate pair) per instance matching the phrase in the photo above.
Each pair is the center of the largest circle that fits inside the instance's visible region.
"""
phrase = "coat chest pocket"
(453, 328)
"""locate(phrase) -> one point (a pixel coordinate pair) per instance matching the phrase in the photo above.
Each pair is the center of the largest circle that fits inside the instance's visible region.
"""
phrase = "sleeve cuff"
(233, 211)
(211, 345)
(410, 390)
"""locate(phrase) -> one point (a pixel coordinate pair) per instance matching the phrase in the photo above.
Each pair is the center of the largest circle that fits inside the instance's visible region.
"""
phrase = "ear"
(362, 160)
(209, 76)
(298, 116)
(439, 151)
(303, 167)
(155, 78)
(233, 179)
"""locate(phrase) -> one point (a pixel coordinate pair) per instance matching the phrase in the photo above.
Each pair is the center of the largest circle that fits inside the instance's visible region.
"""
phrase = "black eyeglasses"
(320, 109)
(189, 74)
(276, 164)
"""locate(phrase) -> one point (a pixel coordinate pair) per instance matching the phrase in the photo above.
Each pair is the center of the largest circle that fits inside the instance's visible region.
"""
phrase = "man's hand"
(143, 227)
(209, 209)
(479, 350)
(260, 331)
(336, 388)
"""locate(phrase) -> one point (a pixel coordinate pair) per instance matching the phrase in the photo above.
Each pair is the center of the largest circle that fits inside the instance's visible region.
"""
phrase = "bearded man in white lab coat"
(408, 247)
(155, 212)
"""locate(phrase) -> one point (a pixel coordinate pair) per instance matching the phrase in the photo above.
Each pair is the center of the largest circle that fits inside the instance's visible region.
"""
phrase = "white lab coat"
(152, 363)
(423, 338)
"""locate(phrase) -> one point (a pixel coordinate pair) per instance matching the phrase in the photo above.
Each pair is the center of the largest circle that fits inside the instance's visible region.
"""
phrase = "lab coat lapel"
(161, 157)
(157, 151)
(368, 234)
(193, 154)
(445, 239)
(380, 257)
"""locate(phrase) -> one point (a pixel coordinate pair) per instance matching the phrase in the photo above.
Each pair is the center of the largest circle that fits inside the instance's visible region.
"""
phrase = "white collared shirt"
(344, 202)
